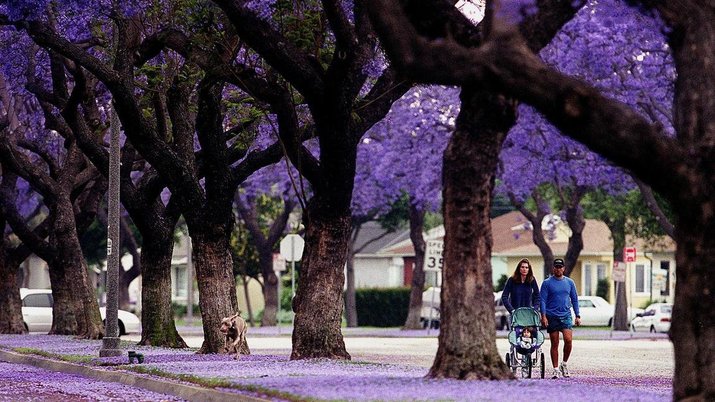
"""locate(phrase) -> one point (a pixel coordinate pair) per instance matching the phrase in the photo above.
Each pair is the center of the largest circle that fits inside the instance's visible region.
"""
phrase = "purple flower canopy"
(623, 51)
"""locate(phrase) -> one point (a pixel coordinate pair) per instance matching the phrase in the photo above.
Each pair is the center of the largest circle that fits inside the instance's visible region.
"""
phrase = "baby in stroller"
(525, 341)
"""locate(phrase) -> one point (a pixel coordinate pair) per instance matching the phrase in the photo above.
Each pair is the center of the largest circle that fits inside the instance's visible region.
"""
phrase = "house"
(650, 277)
(373, 269)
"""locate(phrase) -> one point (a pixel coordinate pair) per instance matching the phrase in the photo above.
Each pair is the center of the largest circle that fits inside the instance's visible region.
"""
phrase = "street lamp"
(110, 342)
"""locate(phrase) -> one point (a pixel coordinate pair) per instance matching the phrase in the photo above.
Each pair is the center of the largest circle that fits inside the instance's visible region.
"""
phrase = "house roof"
(512, 236)
(374, 238)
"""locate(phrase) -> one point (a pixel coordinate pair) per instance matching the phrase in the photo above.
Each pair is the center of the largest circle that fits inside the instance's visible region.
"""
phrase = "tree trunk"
(318, 303)
(10, 303)
(217, 285)
(417, 220)
(467, 341)
(270, 287)
(350, 302)
(71, 263)
(158, 327)
(693, 320)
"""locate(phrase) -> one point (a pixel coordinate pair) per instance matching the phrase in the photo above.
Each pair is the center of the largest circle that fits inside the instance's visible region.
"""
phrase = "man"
(558, 295)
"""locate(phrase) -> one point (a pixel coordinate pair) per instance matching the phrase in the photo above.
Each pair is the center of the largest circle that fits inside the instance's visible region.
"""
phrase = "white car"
(430, 310)
(430, 307)
(37, 313)
(596, 311)
(656, 318)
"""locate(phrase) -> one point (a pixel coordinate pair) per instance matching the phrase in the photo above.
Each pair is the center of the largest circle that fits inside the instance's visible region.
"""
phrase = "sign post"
(279, 265)
(619, 276)
(433, 263)
(292, 250)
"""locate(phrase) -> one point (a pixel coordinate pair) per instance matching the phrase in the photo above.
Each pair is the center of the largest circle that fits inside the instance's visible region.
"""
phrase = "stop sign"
(292, 247)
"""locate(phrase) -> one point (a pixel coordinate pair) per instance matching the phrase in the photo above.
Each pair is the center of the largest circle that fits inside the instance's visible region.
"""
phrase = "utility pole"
(110, 342)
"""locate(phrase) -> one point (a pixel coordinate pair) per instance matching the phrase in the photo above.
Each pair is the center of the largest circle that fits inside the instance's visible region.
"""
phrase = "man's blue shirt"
(558, 296)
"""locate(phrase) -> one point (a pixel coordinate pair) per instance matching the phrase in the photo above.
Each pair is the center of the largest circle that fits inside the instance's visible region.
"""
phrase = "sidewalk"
(269, 374)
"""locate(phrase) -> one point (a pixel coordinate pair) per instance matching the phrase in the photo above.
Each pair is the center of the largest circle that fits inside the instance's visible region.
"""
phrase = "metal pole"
(292, 275)
(110, 342)
(190, 285)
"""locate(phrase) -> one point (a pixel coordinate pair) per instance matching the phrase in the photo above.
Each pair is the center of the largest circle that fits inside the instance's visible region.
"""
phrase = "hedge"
(382, 307)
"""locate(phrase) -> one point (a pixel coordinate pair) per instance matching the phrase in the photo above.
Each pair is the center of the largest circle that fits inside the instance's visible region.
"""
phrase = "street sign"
(629, 254)
(292, 247)
(279, 263)
(619, 271)
(433, 255)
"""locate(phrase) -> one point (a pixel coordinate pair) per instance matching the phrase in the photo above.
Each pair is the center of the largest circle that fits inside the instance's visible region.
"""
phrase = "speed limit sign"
(433, 255)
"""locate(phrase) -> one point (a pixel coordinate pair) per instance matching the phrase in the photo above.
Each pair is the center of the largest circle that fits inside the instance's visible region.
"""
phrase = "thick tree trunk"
(693, 320)
(217, 285)
(10, 303)
(467, 341)
(64, 321)
(318, 303)
(158, 327)
(71, 263)
(417, 220)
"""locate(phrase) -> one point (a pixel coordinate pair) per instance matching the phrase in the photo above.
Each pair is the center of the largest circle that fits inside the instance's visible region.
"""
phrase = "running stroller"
(521, 358)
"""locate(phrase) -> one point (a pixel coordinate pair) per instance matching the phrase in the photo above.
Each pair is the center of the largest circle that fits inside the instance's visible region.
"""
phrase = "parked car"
(502, 318)
(596, 311)
(429, 315)
(37, 313)
(655, 318)
(431, 301)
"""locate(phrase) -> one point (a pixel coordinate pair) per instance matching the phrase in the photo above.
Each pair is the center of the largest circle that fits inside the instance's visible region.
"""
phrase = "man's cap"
(559, 262)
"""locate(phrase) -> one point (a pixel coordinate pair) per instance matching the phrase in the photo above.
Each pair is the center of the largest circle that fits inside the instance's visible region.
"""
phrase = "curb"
(187, 392)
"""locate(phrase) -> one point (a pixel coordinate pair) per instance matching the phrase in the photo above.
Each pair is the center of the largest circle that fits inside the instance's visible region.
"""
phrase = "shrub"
(382, 307)
(603, 288)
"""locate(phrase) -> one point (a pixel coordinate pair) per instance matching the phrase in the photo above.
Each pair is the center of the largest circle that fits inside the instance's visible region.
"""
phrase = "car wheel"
(652, 329)
(122, 331)
(24, 324)
(610, 322)
(424, 323)
(633, 328)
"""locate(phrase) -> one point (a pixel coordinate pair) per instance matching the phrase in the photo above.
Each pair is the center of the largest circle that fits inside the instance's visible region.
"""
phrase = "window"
(587, 281)
(639, 282)
(665, 268)
(179, 281)
(585, 303)
(601, 271)
(37, 300)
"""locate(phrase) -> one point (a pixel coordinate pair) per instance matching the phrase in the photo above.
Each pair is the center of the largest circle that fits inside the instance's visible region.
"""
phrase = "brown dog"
(234, 328)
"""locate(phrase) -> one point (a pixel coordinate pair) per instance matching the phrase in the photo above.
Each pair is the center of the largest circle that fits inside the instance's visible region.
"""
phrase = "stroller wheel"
(511, 363)
(543, 366)
(526, 368)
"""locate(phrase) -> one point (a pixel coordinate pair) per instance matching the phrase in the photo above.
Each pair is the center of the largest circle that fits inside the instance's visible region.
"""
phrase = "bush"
(180, 310)
(382, 307)
(603, 288)
(501, 282)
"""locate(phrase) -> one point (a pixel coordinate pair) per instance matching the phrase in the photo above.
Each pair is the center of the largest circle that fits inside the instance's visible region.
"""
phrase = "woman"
(521, 290)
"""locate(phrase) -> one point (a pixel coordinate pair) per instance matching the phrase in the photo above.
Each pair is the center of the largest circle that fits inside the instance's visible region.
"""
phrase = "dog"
(234, 329)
